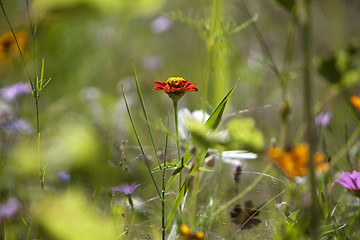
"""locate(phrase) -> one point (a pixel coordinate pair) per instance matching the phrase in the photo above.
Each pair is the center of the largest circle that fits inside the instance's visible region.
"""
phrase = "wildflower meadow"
(192, 120)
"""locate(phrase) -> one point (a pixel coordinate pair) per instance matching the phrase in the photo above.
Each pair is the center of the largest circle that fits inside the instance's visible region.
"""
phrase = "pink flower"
(125, 188)
(350, 181)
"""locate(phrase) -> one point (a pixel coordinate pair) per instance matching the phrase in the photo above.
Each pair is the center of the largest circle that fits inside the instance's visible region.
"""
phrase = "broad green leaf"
(176, 205)
(211, 123)
(214, 120)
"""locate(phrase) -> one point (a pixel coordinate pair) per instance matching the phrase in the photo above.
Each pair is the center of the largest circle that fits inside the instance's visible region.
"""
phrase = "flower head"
(294, 162)
(125, 188)
(12, 92)
(245, 217)
(9, 208)
(161, 24)
(355, 101)
(188, 235)
(350, 181)
(323, 119)
(176, 87)
(8, 44)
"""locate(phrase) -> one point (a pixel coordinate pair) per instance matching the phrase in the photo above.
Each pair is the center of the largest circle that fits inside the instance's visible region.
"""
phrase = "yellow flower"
(294, 162)
(186, 234)
(355, 101)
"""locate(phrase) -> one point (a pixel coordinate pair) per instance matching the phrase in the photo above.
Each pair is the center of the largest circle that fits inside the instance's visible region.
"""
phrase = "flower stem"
(308, 99)
(177, 140)
(163, 189)
(42, 171)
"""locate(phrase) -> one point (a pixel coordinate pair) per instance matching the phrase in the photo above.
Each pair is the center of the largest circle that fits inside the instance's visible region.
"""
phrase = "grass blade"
(138, 139)
(176, 205)
(145, 114)
(214, 119)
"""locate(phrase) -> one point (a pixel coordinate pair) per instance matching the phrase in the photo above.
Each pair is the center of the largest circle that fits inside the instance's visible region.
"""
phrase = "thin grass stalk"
(139, 142)
(146, 116)
(308, 100)
(274, 68)
(17, 43)
(209, 48)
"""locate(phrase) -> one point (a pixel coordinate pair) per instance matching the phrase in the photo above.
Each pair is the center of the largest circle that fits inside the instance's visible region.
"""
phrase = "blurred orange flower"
(176, 87)
(294, 162)
(355, 101)
(186, 234)
(8, 44)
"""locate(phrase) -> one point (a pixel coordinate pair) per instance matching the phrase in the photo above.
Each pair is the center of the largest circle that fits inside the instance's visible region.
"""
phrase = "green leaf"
(242, 26)
(171, 164)
(327, 229)
(291, 219)
(178, 169)
(214, 120)
(145, 114)
(287, 4)
(211, 123)
(176, 205)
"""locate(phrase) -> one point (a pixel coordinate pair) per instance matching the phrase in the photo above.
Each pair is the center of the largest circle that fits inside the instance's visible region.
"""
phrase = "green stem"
(132, 217)
(308, 99)
(177, 140)
(42, 172)
(163, 189)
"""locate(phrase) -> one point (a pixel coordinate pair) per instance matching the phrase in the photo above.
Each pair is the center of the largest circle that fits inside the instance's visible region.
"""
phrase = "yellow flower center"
(175, 80)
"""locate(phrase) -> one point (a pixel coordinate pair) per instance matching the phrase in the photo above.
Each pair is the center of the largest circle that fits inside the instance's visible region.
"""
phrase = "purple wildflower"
(12, 92)
(17, 126)
(64, 176)
(323, 119)
(9, 208)
(350, 181)
(125, 188)
(152, 63)
(161, 24)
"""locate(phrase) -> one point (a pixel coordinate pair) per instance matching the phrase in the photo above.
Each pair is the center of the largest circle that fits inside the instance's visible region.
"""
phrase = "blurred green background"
(90, 47)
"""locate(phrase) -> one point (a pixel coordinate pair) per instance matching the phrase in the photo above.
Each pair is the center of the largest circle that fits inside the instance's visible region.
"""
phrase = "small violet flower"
(12, 92)
(63, 176)
(125, 188)
(323, 119)
(161, 24)
(9, 208)
(350, 181)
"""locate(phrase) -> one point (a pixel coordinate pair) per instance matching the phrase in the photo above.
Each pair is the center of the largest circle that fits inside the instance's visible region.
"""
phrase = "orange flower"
(355, 101)
(8, 44)
(186, 234)
(176, 87)
(294, 162)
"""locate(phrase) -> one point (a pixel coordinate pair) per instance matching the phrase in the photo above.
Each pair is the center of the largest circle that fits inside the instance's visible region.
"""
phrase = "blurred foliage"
(87, 144)
(69, 216)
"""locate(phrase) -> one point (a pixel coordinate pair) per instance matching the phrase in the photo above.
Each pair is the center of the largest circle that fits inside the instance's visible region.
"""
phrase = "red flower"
(176, 87)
